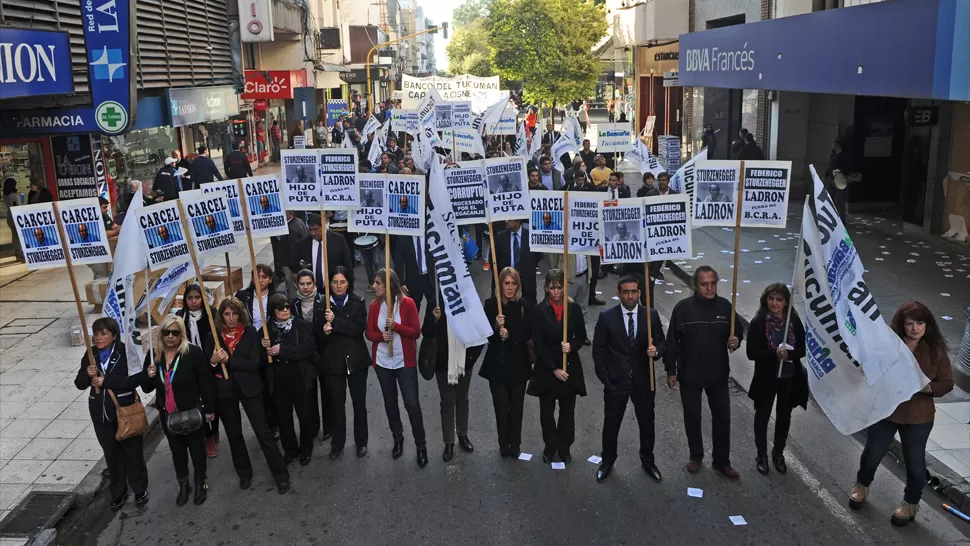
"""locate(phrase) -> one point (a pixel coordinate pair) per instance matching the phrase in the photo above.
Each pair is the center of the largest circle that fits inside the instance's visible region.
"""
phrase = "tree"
(470, 11)
(468, 50)
(547, 44)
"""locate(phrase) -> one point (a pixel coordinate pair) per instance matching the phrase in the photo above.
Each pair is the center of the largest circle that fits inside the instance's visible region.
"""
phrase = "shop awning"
(330, 67)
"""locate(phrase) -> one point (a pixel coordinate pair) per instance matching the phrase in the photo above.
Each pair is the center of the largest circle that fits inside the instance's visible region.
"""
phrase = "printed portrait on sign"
(503, 183)
(83, 232)
(717, 193)
(297, 174)
(370, 198)
(39, 237)
(403, 204)
(621, 231)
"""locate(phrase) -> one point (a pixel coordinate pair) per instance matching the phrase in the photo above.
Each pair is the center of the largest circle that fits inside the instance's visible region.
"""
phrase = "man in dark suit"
(621, 357)
(306, 254)
(512, 250)
(616, 188)
(412, 266)
(203, 169)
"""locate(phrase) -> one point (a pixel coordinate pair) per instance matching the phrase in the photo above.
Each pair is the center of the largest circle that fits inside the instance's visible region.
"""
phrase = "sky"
(439, 11)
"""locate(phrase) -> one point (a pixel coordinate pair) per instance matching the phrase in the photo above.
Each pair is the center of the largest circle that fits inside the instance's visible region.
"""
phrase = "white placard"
(405, 204)
(301, 180)
(716, 193)
(371, 217)
(621, 231)
(161, 231)
(231, 190)
(614, 137)
(442, 116)
(667, 227)
(210, 227)
(39, 239)
(264, 203)
(584, 222)
(338, 179)
(507, 183)
(765, 202)
(469, 196)
(87, 239)
(546, 224)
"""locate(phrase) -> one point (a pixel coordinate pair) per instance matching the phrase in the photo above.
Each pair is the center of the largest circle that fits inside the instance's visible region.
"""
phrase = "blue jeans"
(914, 437)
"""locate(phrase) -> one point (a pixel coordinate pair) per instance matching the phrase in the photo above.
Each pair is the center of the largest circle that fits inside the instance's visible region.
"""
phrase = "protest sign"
(716, 193)
(546, 223)
(412, 123)
(338, 179)
(466, 187)
(667, 227)
(480, 91)
(765, 201)
(209, 225)
(442, 116)
(505, 124)
(466, 141)
(231, 191)
(161, 230)
(621, 231)
(39, 238)
(399, 118)
(584, 222)
(614, 137)
(506, 179)
(263, 202)
(371, 217)
(461, 114)
(87, 240)
(302, 189)
(405, 204)
(668, 147)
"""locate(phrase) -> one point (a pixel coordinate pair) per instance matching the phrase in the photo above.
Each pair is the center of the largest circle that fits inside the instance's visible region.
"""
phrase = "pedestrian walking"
(738, 144)
(397, 369)
(709, 140)
(186, 401)
(751, 151)
(769, 345)
(166, 185)
(507, 365)
(241, 353)
(913, 419)
(696, 359)
(552, 382)
(237, 163)
(38, 193)
(111, 387)
(195, 313)
(277, 135)
(621, 353)
(203, 169)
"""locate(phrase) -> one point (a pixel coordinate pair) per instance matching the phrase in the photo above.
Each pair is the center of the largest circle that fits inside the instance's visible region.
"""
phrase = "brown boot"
(858, 496)
(904, 514)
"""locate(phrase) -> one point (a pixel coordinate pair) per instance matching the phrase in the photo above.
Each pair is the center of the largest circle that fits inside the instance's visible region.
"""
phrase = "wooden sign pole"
(252, 258)
(325, 274)
(198, 273)
(737, 246)
(565, 276)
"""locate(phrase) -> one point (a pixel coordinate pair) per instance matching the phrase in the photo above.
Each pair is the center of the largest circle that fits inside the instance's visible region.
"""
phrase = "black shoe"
(504, 451)
(514, 451)
(659, 276)
(289, 458)
(282, 487)
(449, 453)
(183, 496)
(593, 300)
(604, 470)
(336, 453)
(779, 460)
(466, 444)
(361, 451)
(566, 459)
(652, 471)
(119, 502)
(398, 449)
(422, 457)
(545, 459)
(141, 499)
(245, 483)
(201, 492)
(762, 463)
(305, 459)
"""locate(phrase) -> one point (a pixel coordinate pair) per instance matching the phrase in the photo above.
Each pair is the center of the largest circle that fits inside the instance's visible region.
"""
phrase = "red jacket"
(409, 330)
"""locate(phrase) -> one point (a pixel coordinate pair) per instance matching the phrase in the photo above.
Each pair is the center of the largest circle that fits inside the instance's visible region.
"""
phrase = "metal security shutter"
(183, 43)
(52, 15)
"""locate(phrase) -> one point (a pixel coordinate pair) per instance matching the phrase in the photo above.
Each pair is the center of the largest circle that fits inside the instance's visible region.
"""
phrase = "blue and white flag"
(682, 181)
(521, 146)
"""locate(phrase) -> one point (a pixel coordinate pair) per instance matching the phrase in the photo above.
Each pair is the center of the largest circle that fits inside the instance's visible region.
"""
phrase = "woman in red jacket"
(398, 367)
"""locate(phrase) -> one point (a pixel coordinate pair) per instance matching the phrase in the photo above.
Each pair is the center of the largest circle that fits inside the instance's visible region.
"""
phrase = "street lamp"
(370, 54)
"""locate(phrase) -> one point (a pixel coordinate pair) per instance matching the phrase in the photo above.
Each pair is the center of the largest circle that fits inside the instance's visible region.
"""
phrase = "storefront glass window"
(22, 162)
(749, 111)
(138, 155)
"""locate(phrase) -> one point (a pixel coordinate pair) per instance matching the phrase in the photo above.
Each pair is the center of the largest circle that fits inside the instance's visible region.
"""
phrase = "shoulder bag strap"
(114, 398)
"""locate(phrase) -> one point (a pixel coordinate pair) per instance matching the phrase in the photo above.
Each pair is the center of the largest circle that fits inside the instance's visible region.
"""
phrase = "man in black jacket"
(512, 250)
(412, 266)
(751, 151)
(203, 169)
(307, 255)
(622, 353)
(166, 185)
(237, 163)
(696, 358)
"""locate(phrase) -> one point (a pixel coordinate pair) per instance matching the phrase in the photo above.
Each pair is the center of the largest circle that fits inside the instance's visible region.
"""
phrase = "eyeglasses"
(171, 333)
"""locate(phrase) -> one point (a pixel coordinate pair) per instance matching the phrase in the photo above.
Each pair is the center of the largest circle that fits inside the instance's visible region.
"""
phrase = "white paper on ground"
(558, 466)
(525, 456)
(738, 520)
(695, 492)
(595, 459)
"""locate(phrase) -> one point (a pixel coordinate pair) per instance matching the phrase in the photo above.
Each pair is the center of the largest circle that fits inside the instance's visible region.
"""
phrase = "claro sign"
(272, 84)
(34, 62)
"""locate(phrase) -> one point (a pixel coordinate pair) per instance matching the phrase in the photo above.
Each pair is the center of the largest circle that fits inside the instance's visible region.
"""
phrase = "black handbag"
(183, 423)
(428, 357)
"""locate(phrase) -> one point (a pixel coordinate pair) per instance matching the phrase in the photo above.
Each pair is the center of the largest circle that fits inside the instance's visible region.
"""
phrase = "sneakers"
(904, 513)
(858, 496)
(487, 266)
(212, 446)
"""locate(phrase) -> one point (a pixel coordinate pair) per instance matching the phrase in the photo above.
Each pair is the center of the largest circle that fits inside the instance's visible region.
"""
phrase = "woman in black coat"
(768, 346)
(264, 275)
(345, 362)
(550, 382)
(195, 318)
(180, 375)
(241, 353)
(106, 376)
(294, 376)
(506, 365)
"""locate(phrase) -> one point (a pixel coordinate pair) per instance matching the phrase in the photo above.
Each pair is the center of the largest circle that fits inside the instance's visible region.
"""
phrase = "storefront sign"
(34, 62)
(657, 60)
(109, 38)
(922, 116)
(74, 173)
(273, 84)
(255, 21)
(199, 104)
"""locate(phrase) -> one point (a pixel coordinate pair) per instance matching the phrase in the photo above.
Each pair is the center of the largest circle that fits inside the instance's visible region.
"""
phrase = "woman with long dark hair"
(195, 313)
(506, 365)
(551, 382)
(398, 367)
(185, 400)
(913, 419)
(771, 345)
(241, 353)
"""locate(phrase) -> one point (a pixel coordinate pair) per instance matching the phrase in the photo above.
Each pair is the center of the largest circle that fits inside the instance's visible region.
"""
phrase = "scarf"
(775, 324)
(557, 308)
(231, 337)
(283, 327)
(339, 301)
(194, 337)
(306, 305)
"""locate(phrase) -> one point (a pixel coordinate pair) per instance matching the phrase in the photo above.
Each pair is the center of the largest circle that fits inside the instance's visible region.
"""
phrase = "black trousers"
(184, 447)
(419, 289)
(228, 409)
(509, 400)
(558, 436)
(594, 275)
(719, 401)
(289, 394)
(454, 404)
(337, 386)
(125, 460)
(762, 413)
(407, 380)
(269, 406)
(324, 409)
(615, 407)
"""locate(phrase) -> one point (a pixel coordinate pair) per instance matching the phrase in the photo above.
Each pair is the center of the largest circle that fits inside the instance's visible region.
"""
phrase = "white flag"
(376, 149)
(491, 115)
(371, 127)
(561, 147)
(644, 160)
(521, 146)
(682, 181)
(423, 153)
(536, 145)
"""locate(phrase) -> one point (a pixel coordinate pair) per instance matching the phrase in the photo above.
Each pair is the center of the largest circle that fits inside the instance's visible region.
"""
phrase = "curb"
(939, 476)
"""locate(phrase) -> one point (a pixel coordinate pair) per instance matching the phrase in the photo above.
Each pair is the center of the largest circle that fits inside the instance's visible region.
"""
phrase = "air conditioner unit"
(328, 38)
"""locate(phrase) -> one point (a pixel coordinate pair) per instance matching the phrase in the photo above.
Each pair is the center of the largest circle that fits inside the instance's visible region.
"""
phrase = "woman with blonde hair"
(186, 401)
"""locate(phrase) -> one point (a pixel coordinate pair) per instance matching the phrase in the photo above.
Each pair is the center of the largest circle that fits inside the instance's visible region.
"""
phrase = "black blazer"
(622, 192)
(508, 361)
(100, 405)
(439, 329)
(527, 262)
(203, 170)
(205, 331)
(319, 318)
(764, 384)
(243, 367)
(406, 262)
(615, 359)
(297, 354)
(192, 382)
(547, 337)
(344, 350)
(338, 253)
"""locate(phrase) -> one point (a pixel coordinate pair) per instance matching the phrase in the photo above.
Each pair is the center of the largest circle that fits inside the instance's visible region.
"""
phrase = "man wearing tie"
(412, 266)
(621, 357)
(308, 255)
(512, 249)
(616, 190)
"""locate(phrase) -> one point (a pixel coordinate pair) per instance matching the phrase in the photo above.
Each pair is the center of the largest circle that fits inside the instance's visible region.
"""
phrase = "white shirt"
(315, 251)
(257, 317)
(580, 264)
(626, 319)
(384, 358)
(614, 192)
(512, 254)
(420, 257)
